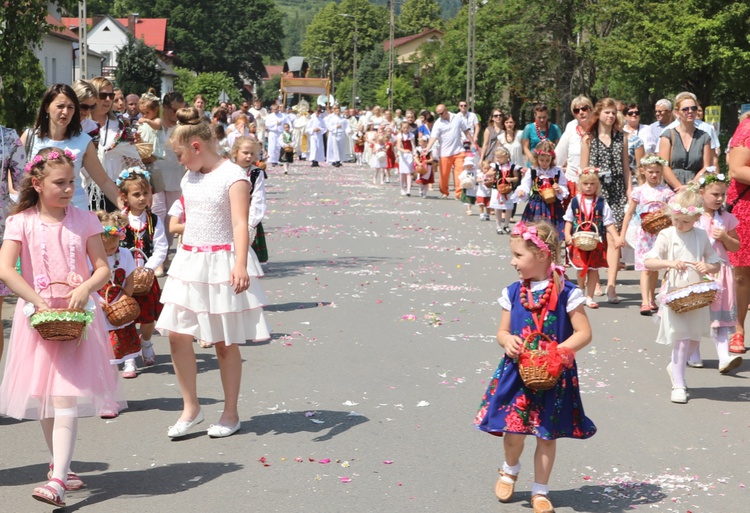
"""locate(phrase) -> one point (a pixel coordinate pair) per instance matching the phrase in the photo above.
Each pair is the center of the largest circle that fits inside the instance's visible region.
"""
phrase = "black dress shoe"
(314, 163)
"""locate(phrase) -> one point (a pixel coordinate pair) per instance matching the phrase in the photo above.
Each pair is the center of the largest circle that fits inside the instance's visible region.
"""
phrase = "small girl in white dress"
(687, 255)
(212, 292)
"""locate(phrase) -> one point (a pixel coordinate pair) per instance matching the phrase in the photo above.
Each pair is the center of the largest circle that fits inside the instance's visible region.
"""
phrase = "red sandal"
(74, 482)
(49, 494)
(737, 343)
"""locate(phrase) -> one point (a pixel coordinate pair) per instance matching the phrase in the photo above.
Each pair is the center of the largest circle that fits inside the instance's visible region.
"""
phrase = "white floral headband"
(688, 211)
(649, 160)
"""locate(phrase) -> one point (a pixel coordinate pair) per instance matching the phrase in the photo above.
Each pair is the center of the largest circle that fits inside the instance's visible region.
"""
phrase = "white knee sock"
(721, 340)
(680, 351)
(64, 441)
(511, 470)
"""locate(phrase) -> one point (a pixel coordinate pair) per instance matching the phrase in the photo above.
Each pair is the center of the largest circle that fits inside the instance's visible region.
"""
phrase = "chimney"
(132, 21)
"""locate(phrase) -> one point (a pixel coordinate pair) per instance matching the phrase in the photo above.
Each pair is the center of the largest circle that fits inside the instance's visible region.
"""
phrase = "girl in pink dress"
(55, 382)
(720, 226)
(212, 292)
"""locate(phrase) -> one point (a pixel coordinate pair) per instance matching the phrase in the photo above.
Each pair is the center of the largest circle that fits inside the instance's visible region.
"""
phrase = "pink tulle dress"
(198, 297)
(724, 307)
(37, 370)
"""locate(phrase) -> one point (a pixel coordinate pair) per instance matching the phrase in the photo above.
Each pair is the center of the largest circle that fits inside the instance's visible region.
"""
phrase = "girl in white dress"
(212, 292)
(687, 255)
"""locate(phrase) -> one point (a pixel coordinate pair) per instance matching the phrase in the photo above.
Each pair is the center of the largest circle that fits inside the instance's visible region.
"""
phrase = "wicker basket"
(60, 329)
(143, 277)
(504, 187)
(261, 164)
(694, 300)
(656, 221)
(122, 311)
(586, 241)
(536, 378)
(288, 148)
(145, 150)
(548, 195)
(422, 169)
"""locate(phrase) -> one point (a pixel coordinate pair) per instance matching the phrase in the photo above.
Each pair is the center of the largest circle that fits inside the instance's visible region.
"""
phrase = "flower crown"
(689, 211)
(589, 171)
(53, 155)
(710, 176)
(551, 153)
(653, 159)
(132, 172)
(114, 230)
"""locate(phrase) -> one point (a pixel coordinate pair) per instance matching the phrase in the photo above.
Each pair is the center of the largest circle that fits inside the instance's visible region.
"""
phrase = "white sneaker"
(697, 364)
(679, 395)
(731, 364)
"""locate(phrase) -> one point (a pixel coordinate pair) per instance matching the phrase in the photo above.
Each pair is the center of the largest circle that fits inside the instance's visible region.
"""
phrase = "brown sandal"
(503, 489)
(541, 504)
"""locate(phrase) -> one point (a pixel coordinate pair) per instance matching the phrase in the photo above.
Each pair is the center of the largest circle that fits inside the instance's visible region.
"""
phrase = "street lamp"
(333, 88)
(354, 65)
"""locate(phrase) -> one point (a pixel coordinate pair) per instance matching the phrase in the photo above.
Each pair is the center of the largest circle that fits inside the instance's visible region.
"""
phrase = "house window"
(105, 29)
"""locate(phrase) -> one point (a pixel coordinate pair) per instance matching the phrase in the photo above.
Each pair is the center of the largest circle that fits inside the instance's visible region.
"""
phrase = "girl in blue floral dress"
(542, 301)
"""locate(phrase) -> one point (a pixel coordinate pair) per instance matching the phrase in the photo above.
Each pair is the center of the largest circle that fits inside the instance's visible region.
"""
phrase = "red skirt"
(125, 341)
(150, 305)
(596, 259)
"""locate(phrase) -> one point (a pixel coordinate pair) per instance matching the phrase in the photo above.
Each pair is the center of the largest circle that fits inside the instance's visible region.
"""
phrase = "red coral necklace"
(527, 297)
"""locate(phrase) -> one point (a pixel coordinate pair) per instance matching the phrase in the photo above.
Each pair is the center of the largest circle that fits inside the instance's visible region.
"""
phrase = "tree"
(416, 15)
(372, 72)
(209, 85)
(23, 25)
(405, 95)
(137, 68)
(268, 92)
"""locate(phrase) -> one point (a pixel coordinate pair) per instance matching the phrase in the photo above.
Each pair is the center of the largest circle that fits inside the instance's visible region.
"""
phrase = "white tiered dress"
(198, 298)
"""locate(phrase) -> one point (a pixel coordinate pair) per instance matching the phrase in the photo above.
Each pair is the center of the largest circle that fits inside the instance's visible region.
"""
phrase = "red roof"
(153, 31)
(66, 33)
(403, 40)
(272, 71)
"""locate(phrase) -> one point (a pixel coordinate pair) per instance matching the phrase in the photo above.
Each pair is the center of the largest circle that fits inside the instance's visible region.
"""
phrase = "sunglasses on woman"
(104, 96)
(577, 110)
(690, 109)
(633, 113)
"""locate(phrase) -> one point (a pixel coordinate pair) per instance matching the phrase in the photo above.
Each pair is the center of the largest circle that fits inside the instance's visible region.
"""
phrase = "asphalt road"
(384, 312)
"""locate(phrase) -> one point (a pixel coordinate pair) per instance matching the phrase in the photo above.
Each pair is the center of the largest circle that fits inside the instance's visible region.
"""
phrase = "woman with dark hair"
(605, 147)
(636, 135)
(540, 130)
(491, 134)
(199, 102)
(58, 124)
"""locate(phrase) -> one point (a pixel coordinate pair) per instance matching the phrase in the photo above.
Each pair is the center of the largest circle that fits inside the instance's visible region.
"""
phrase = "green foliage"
(23, 25)
(297, 27)
(371, 74)
(269, 90)
(417, 14)
(405, 95)
(208, 84)
(22, 92)
(328, 29)
(137, 69)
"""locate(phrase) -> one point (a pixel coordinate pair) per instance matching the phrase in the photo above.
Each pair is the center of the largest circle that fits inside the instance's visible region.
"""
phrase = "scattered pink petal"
(311, 459)
(345, 479)
(388, 462)
(399, 484)
(324, 461)
(298, 460)
(409, 317)
(379, 301)
(587, 478)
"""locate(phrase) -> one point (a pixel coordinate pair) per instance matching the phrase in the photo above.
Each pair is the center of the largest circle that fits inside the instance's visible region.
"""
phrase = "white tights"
(680, 351)
(60, 434)
(721, 341)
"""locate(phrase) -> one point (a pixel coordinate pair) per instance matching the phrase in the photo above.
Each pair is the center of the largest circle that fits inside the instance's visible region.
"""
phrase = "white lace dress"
(198, 297)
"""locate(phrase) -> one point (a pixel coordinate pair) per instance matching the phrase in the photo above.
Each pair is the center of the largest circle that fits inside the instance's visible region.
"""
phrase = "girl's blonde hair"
(545, 147)
(650, 159)
(99, 83)
(590, 175)
(191, 125)
(548, 234)
(110, 220)
(254, 143)
(502, 150)
(85, 90)
(38, 167)
(149, 100)
(686, 199)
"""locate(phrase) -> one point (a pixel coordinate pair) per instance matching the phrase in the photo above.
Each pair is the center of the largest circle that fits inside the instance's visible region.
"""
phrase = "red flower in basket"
(554, 357)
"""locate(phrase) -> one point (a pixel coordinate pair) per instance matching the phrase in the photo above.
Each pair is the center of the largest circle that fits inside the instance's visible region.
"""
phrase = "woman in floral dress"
(13, 158)
(605, 147)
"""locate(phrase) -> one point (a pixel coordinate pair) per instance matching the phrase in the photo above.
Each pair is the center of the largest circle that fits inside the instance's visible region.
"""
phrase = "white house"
(107, 35)
(58, 55)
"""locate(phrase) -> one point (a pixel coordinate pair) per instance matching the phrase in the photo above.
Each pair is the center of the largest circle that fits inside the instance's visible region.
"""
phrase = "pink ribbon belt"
(207, 249)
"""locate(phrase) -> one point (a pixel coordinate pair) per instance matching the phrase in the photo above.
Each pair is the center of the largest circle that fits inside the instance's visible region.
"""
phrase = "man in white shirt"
(663, 111)
(449, 129)
(315, 129)
(259, 113)
(275, 127)
(338, 128)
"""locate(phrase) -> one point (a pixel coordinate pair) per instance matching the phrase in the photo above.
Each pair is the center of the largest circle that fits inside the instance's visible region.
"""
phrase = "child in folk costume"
(720, 226)
(544, 174)
(424, 158)
(378, 160)
(52, 381)
(212, 292)
(405, 145)
(124, 339)
(390, 154)
(359, 146)
(484, 191)
(649, 196)
(245, 154)
(589, 212)
(468, 181)
(687, 255)
(287, 149)
(542, 311)
(506, 174)
(146, 238)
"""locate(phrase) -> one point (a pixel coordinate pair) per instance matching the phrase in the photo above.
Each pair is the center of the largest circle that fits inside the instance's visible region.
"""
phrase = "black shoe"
(315, 164)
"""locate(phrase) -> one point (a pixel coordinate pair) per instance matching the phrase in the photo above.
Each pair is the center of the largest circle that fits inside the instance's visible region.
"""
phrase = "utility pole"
(390, 55)
(354, 64)
(83, 46)
(471, 58)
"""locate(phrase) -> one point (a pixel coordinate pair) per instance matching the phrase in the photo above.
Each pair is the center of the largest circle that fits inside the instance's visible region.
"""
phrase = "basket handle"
(643, 206)
(61, 283)
(136, 250)
(106, 292)
(531, 336)
(596, 228)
